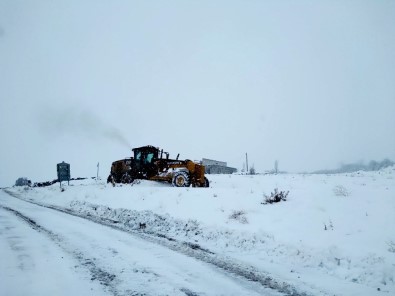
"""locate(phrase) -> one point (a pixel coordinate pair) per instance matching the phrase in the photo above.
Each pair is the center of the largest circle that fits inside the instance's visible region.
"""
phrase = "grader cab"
(150, 163)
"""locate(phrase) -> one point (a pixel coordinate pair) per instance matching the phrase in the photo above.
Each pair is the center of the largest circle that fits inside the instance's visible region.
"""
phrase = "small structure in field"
(217, 167)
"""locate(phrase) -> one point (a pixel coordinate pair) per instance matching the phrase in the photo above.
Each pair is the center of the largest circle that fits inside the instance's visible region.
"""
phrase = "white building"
(217, 167)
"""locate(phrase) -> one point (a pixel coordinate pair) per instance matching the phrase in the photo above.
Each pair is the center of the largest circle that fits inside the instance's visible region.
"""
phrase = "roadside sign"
(63, 170)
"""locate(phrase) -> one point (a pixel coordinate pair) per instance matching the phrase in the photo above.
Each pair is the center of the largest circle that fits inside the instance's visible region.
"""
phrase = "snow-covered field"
(334, 235)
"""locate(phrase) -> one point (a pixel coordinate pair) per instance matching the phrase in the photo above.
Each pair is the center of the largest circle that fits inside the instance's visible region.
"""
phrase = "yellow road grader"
(150, 163)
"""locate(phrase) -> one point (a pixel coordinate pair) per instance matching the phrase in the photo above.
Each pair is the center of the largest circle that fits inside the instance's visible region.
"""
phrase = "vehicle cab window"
(138, 155)
(149, 157)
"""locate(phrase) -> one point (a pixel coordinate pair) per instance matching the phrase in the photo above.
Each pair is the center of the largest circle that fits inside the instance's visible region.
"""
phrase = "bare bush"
(329, 226)
(239, 216)
(23, 182)
(275, 196)
(391, 246)
(340, 190)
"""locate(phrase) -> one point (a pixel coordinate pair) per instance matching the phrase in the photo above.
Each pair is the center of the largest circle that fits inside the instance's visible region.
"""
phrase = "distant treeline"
(353, 167)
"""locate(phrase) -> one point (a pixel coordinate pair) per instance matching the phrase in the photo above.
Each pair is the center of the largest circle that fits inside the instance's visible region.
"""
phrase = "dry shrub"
(275, 196)
(239, 216)
(340, 190)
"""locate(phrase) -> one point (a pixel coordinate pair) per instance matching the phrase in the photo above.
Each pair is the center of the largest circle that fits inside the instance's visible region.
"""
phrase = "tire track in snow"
(105, 278)
(231, 267)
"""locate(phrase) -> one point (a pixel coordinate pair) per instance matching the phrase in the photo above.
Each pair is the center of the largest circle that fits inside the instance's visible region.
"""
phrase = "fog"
(307, 83)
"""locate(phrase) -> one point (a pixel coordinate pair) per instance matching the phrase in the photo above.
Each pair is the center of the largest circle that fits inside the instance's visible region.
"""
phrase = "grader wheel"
(126, 179)
(181, 179)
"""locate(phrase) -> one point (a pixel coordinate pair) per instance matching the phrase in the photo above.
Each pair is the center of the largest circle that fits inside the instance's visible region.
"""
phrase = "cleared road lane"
(71, 255)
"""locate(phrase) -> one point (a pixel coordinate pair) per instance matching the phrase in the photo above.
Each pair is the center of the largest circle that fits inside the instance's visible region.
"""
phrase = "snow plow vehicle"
(149, 163)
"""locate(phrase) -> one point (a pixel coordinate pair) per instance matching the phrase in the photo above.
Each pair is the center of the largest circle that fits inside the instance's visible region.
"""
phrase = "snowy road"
(47, 252)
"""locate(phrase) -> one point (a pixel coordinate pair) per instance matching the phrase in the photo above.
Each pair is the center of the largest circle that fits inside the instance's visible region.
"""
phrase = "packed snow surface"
(334, 233)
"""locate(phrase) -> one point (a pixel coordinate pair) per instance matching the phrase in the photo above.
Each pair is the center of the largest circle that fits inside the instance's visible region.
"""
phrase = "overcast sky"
(309, 83)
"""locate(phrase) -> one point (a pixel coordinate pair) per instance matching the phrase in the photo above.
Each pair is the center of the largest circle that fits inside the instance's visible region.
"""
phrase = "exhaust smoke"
(81, 123)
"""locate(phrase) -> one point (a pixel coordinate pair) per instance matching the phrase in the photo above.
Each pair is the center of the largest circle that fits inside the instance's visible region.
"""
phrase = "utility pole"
(247, 163)
(97, 175)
